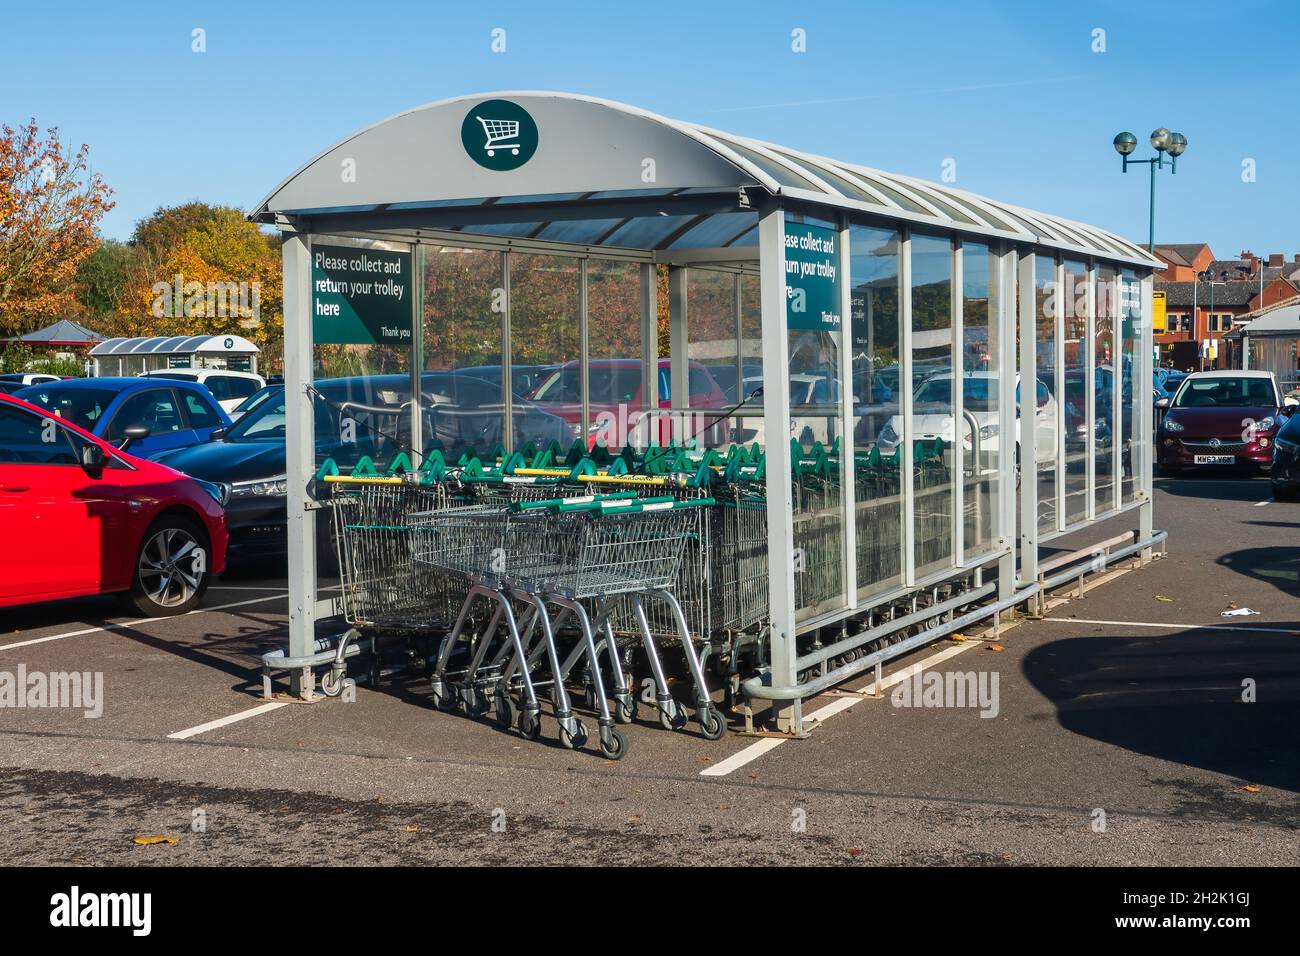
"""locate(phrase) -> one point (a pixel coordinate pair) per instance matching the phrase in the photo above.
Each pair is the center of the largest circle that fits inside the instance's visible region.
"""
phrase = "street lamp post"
(1164, 142)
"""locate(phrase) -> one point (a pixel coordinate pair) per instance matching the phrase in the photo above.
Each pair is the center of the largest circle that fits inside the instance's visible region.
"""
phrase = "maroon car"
(1220, 420)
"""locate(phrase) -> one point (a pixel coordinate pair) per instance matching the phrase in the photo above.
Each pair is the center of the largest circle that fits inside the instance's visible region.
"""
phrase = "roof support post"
(905, 406)
(679, 397)
(1142, 376)
(300, 457)
(1005, 320)
(1028, 424)
(1059, 312)
(417, 354)
(649, 354)
(780, 498)
(1090, 388)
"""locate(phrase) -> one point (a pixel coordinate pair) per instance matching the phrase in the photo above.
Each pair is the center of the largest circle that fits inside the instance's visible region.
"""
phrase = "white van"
(228, 388)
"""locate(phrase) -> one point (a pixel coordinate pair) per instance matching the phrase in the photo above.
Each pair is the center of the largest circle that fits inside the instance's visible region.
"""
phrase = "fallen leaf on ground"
(853, 851)
(151, 840)
(958, 637)
(996, 647)
(1166, 600)
(411, 828)
(1248, 788)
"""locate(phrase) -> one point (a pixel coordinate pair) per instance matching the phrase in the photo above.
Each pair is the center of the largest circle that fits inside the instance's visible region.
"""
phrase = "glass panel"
(647, 232)
(712, 348)
(784, 176)
(824, 172)
(1079, 440)
(1043, 413)
(1135, 443)
(877, 420)
(932, 424)
(582, 231)
(716, 230)
(618, 396)
(464, 310)
(981, 438)
(544, 309)
(1104, 362)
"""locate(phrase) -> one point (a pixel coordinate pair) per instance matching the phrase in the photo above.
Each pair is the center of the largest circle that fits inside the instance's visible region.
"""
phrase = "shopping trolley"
(499, 133)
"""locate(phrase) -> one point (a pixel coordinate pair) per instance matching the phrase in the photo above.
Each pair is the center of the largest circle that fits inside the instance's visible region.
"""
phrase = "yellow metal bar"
(363, 480)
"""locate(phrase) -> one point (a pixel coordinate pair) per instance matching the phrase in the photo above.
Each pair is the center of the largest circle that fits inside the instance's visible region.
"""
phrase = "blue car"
(176, 413)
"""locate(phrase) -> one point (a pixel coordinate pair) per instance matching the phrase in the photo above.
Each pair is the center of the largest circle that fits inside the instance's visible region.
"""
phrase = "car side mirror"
(1162, 403)
(217, 434)
(133, 433)
(93, 459)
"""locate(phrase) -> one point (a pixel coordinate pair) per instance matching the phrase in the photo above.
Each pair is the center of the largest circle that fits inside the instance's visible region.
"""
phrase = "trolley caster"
(444, 697)
(589, 697)
(672, 716)
(506, 711)
(712, 724)
(476, 703)
(333, 681)
(625, 709)
(574, 735)
(530, 725)
(613, 743)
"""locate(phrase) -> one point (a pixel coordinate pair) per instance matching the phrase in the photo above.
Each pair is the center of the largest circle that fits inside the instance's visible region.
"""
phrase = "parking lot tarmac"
(1121, 736)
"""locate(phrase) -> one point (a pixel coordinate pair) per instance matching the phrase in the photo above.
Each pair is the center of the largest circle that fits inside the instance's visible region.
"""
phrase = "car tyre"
(164, 581)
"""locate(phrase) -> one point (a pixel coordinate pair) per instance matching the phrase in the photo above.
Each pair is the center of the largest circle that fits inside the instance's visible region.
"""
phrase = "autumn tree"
(198, 269)
(50, 208)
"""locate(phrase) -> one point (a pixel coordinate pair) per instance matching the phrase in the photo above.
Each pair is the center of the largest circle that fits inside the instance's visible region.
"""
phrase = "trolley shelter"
(917, 386)
(131, 356)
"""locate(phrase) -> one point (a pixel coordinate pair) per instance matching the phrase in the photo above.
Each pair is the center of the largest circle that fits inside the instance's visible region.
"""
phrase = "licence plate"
(1216, 460)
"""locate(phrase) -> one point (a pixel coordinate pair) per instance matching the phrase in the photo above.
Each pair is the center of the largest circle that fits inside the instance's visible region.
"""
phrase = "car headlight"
(262, 487)
(988, 431)
(1172, 426)
(887, 434)
(1265, 424)
(219, 490)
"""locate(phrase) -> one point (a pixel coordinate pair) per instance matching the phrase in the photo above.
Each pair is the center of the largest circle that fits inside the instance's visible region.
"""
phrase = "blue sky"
(1012, 91)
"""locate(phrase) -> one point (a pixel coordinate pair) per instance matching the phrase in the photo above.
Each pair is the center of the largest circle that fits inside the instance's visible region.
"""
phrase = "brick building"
(1222, 291)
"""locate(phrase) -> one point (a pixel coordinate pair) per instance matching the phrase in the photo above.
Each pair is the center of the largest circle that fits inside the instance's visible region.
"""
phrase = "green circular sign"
(499, 135)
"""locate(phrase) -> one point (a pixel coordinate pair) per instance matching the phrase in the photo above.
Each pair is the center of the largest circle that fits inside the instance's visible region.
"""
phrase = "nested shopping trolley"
(574, 556)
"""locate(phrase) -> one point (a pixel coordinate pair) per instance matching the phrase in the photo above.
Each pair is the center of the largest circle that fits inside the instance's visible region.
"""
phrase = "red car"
(80, 517)
(617, 397)
(1225, 420)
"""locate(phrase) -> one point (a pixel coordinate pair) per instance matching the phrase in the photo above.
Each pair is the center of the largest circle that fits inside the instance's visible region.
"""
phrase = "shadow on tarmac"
(1179, 697)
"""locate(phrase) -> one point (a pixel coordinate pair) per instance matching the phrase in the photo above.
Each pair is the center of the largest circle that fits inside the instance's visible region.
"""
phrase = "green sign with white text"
(360, 296)
(812, 278)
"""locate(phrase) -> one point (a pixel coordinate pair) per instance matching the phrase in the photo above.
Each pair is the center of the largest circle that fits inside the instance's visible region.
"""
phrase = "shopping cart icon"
(498, 133)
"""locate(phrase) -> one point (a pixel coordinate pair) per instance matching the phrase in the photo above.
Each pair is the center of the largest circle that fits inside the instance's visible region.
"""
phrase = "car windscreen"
(264, 423)
(81, 406)
(178, 376)
(1226, 392)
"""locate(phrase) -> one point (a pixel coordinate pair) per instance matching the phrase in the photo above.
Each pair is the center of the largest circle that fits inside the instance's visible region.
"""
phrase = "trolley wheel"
(530, 725)
(506, 711)
(613, 743)
(332, 682)
(476, 705)
(675, 720)
(625, 713)
(444, 697)
(712, 724)
(589, 697)
(575, 740)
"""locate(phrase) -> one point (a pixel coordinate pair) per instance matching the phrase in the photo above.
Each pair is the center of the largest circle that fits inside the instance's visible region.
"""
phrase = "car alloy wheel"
(166, 567)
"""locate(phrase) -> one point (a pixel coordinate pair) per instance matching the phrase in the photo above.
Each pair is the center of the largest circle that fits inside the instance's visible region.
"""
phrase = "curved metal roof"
(174, 345)
(593, 151)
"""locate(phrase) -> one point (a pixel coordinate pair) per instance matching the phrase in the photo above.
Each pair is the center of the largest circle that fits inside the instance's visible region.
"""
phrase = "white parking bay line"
(225, 721)
(756, 750)
(136, 624)
(1173, 627)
